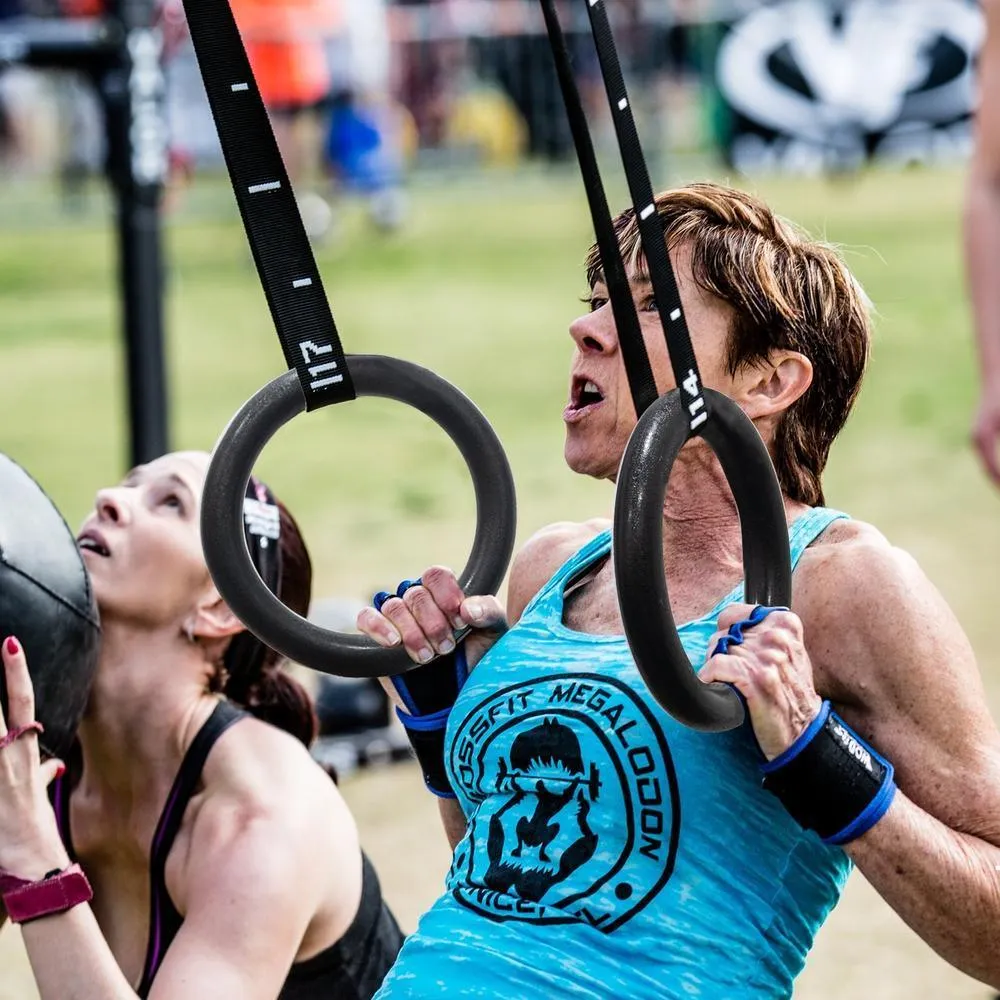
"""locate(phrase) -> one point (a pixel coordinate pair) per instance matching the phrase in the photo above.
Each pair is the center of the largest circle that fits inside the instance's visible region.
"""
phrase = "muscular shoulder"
(848, 565)
(870, 611)
(265, 771)
(543, 554)
(888, 651)
(264, 794)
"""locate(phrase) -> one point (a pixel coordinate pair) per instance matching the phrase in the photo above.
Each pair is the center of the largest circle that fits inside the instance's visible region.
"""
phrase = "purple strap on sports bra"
(164, 920)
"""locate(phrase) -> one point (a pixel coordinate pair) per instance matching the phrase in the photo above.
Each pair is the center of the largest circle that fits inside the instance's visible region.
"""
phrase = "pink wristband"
(58, 891)
(18, 731)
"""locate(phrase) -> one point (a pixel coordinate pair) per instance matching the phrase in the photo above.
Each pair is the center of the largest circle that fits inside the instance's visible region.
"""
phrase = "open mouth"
(93, 541)
(584, 396)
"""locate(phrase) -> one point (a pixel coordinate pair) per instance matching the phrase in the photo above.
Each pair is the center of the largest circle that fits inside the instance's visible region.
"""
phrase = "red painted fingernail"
(13, 646)
(61, 770)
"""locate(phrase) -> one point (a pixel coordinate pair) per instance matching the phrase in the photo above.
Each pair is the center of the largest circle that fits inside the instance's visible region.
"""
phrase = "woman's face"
(142, 543)
(601, 415)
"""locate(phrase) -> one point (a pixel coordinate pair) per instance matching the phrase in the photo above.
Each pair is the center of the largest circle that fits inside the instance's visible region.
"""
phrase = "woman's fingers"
(397, 619)
(376, 626)
(431, 621)
(485, 612)
(51, 769)
(20, 693)
(428, 614)
(442, 584)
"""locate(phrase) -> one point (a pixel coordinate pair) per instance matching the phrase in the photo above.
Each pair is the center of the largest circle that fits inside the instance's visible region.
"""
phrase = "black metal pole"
(132, 88)
(121, 54)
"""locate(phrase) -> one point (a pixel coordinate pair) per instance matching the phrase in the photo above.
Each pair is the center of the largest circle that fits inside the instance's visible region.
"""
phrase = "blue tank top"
(611, 851)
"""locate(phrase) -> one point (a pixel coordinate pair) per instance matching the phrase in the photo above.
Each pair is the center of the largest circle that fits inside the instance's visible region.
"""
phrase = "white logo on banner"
(870, 66)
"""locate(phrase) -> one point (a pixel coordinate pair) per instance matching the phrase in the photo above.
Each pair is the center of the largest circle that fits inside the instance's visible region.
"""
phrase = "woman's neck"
(150, 697)
(702, 538)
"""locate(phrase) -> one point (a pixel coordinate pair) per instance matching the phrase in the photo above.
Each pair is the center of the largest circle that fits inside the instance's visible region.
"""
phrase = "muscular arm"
(982, 239)
(251, 895)
(903, 674)
(253, 880)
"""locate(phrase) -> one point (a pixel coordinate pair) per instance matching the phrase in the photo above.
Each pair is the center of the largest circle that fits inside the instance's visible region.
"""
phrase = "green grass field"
(481, 287)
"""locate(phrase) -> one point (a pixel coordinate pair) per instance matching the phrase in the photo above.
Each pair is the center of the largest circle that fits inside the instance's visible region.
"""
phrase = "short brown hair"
(787, 291)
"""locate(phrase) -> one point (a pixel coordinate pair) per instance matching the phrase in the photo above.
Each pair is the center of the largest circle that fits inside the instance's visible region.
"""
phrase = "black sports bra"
(352, 968)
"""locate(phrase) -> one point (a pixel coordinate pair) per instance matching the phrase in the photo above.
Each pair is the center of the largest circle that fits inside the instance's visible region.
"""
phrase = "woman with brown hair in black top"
(220, 857)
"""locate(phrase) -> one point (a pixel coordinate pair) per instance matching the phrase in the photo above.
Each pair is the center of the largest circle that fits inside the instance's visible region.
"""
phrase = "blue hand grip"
(735, 635)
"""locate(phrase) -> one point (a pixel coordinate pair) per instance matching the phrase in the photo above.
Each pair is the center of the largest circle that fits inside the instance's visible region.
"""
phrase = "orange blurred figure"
(286, 44)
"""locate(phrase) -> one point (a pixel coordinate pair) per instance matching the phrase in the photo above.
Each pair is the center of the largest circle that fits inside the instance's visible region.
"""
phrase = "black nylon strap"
(281, 251)
(637, 367)
(661, 274)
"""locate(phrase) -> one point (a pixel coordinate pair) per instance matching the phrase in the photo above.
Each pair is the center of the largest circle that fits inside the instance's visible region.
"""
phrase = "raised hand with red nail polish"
(30, 845)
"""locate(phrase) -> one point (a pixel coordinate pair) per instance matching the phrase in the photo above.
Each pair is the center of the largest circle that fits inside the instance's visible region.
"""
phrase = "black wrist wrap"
(831, 781)
(426, 735)
(429, 692)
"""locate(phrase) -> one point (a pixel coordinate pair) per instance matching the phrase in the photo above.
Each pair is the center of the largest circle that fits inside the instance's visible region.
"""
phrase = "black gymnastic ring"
(238, 448)
(637, 547)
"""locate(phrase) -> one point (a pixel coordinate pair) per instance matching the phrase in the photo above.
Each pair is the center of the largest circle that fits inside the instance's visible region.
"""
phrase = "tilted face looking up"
(142, 543)
(776, 319)
(600, 414)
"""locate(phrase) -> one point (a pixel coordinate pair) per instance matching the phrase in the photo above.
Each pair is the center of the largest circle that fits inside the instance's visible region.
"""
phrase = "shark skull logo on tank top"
(552, 766)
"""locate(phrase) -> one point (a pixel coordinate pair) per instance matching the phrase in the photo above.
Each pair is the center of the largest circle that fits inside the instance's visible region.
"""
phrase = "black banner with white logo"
(810, 85)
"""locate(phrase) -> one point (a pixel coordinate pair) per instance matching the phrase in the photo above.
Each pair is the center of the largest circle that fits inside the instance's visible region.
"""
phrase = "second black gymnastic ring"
(223, 539)
(638, 547)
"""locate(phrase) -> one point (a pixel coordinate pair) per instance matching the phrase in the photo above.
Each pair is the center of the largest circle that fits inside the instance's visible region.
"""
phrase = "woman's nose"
(594, 332)
(110, 507)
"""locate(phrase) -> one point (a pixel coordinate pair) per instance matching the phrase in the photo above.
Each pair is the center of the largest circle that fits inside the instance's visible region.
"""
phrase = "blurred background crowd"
(364, 91)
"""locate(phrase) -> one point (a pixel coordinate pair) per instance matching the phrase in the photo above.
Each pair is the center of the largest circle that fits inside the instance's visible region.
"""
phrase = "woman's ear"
(212, 618)
(771, 388)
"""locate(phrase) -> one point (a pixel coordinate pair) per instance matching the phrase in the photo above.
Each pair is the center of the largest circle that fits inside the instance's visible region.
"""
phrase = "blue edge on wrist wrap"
(435, 721)
(875, 809)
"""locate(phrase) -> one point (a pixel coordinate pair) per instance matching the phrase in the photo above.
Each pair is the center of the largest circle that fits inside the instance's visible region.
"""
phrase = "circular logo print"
(575, 807)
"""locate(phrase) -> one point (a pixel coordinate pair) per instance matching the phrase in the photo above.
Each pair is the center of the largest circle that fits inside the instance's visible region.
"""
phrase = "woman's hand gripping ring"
(735, 636)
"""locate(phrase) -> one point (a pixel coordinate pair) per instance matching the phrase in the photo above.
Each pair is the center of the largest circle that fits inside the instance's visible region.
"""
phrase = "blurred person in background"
(223, 860)
(82, 125)
(369, 135)
(8, 133)
(982, 245)
(20, 98)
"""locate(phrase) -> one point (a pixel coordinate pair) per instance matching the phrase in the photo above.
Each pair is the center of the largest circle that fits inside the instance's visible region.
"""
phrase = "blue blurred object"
(357, 150)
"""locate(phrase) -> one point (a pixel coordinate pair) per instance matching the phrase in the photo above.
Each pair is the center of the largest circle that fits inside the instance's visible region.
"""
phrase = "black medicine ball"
(46, 601)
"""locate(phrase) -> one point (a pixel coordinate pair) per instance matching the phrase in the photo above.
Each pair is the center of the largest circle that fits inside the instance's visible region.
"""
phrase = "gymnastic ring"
(302, 641)
(637, 547)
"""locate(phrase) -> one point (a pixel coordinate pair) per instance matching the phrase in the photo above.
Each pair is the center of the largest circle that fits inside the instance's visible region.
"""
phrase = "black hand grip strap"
(661, 274)
(666, 426)
(637, 367)
(278, 240)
